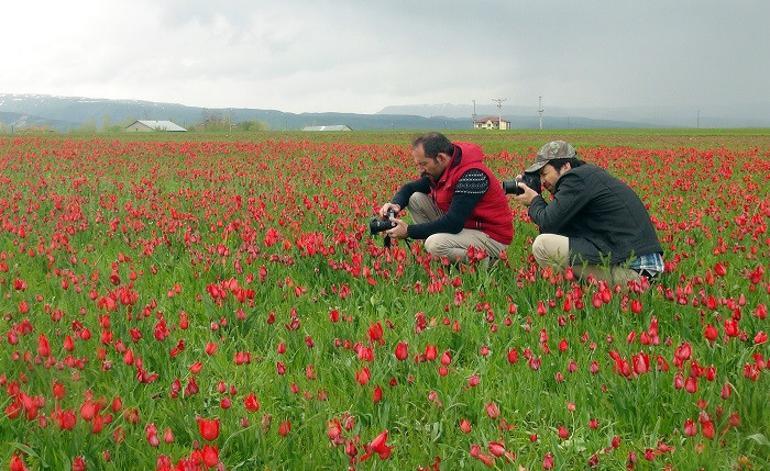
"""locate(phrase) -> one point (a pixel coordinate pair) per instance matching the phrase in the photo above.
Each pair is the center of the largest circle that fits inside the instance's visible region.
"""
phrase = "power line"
(499, 102)
(540, 110)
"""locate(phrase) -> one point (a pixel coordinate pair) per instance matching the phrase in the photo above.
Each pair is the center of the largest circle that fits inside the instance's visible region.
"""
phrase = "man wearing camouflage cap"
(595, 222)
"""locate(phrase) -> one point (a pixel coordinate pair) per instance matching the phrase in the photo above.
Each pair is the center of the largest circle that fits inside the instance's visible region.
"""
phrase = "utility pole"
(540, 110)
(698, 121)
(499, 102)
(474, 114)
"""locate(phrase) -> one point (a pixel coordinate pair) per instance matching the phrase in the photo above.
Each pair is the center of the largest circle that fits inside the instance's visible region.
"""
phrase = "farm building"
(334, 127)
(491, 122)
(147, 126)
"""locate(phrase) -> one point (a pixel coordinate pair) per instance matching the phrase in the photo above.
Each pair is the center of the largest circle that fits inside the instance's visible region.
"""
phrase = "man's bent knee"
(538, 249)
(441, 245)
(548, 250)
(418, 199)
(433, 244)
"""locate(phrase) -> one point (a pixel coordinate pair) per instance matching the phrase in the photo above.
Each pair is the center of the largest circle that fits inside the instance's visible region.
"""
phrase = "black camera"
(377, 225)
(532, 180)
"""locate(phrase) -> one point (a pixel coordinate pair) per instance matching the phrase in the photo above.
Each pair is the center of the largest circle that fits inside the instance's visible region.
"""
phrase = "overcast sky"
(359, 56)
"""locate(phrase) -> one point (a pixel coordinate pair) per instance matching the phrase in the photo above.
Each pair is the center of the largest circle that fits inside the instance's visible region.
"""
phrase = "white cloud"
(361, 56)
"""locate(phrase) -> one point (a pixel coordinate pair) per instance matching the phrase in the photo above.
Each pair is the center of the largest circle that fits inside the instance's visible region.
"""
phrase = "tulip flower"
(208, 428)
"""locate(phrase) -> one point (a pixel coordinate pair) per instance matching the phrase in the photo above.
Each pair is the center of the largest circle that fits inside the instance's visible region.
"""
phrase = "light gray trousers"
(552, 250)
(453, 246)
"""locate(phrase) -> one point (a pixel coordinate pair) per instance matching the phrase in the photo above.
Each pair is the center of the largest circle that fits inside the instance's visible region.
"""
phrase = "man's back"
(611, 219)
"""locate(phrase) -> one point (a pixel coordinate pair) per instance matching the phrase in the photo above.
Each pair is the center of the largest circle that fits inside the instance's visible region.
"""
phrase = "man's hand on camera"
(399, 231)
(387, 207)
(528, 195)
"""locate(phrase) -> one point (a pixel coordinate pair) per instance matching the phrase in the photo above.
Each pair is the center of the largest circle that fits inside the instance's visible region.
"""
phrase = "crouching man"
(595, 223)
(457, 202)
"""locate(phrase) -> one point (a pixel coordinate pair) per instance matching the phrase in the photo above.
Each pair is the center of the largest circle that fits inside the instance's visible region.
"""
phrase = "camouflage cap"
(552, 150)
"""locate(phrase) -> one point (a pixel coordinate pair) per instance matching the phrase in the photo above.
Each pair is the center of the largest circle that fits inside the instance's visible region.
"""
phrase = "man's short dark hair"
(434, 143)
(559, 163)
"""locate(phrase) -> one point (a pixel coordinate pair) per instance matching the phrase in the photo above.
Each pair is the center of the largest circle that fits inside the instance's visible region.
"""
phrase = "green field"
(163, 245)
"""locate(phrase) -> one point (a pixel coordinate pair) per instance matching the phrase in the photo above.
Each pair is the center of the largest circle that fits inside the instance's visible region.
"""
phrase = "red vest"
(492, 214)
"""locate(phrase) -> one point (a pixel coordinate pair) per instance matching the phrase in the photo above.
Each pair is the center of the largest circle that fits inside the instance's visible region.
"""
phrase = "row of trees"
(211, 122)
(215, 121)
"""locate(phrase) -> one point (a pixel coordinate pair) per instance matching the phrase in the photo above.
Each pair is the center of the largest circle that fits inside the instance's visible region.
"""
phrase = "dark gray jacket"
(603, 218)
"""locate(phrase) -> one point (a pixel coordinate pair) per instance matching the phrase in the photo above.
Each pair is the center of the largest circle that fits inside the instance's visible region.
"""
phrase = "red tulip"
(210, 455)
(66, 419)
(492, 410)
(208, 428)
(17, 463)
(731, 327)
(496, 448)
(548, 461)
(251, 402)
(690, 429)
(363, 375)
(378, 445)
(513, 356)
(58, 390)
(691, 385)
(402, 351)
(78, 464)
(446, 358)
(465, 426)
(43, 349)
(430, 352)
(375, 332)
(151, 434)
(334, 432)
(488, 460)
(711, 333)
(641, 363)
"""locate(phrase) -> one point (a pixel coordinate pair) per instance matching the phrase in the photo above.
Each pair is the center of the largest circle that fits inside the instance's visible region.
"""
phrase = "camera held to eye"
(532, 180)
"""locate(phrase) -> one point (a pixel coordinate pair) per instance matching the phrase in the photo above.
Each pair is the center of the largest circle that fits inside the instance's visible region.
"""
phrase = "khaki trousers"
(551, 250)
(453, 246)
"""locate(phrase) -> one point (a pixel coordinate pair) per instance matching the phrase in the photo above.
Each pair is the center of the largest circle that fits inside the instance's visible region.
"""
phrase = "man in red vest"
(457, 203)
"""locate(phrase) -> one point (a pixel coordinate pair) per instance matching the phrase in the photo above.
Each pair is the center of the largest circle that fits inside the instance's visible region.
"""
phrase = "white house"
(491, 122)
(334, 127)
(144, 125)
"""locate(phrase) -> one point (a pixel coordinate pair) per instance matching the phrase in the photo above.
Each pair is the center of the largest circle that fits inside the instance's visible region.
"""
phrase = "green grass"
(326, 185)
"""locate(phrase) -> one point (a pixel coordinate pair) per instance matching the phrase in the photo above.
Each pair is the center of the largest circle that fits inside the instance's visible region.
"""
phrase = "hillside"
(65, 113)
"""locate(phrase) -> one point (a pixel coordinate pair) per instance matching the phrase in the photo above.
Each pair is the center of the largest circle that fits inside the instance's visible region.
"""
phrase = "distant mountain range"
(68, 113)
(711, 116)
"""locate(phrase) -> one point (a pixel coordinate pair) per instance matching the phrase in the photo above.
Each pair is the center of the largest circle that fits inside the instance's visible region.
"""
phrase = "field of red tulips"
(195, 303)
